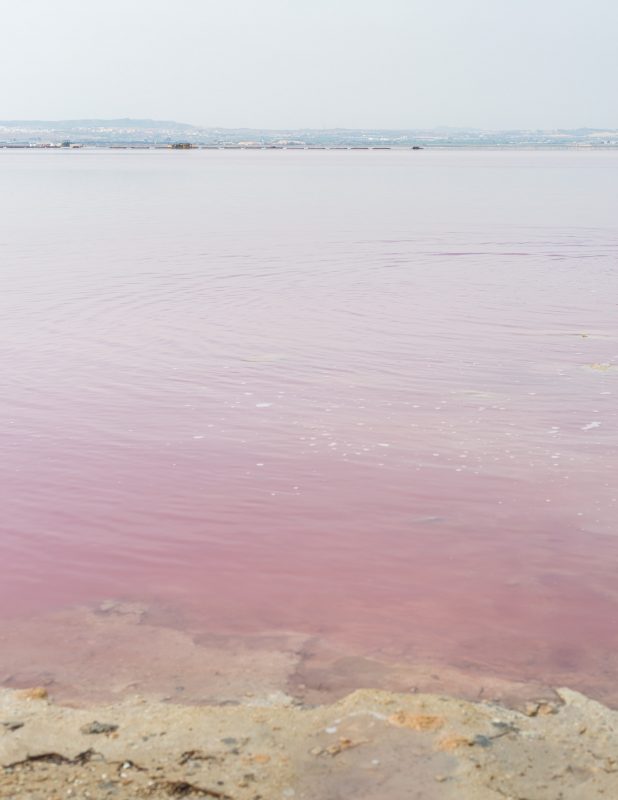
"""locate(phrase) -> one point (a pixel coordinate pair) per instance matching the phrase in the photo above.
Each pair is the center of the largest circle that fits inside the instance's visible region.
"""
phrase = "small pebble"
(98, 727)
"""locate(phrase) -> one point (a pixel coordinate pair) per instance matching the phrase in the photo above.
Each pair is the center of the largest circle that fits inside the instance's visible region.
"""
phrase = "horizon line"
(159, 121)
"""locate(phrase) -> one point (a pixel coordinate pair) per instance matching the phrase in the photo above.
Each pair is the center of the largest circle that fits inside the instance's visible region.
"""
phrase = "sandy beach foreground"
(369, 744)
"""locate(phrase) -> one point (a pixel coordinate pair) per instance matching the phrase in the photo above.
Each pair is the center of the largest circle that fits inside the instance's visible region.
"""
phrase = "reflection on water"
(365, 396)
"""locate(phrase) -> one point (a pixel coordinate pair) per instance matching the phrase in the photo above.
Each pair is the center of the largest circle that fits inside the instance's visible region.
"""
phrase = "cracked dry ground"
(368, 746)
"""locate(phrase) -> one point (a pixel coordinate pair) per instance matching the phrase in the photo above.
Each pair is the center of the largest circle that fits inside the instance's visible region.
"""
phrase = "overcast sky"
(313, 63)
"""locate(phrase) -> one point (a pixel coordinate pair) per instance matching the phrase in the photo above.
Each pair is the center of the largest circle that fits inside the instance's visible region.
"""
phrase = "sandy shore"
(371, 745)
(127, 706)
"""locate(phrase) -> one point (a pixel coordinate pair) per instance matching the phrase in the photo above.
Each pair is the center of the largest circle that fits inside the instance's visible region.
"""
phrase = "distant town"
(147, 134)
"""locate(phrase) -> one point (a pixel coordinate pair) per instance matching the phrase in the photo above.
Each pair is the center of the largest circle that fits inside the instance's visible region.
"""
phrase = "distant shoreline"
(150, 133)
(339, 148)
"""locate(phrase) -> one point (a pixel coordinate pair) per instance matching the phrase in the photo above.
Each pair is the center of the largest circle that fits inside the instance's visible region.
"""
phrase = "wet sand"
(107, 653)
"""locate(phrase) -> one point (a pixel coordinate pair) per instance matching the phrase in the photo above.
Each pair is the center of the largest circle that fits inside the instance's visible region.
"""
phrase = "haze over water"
(370, 396)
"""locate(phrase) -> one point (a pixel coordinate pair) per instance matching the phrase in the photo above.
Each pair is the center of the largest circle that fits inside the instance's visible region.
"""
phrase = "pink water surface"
(370, 396)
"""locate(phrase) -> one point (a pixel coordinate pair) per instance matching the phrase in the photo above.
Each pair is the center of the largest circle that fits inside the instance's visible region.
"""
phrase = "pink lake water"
(367, 396)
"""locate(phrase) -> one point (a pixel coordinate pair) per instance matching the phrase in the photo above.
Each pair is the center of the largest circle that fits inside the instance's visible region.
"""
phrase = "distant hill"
(93, 124)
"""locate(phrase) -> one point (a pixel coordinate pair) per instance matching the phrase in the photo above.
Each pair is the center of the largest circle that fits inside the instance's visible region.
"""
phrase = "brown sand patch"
(449, 743)
(36, 693)
(417, 722)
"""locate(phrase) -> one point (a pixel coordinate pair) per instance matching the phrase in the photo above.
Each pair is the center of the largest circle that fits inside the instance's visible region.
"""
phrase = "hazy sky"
(313, 63)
